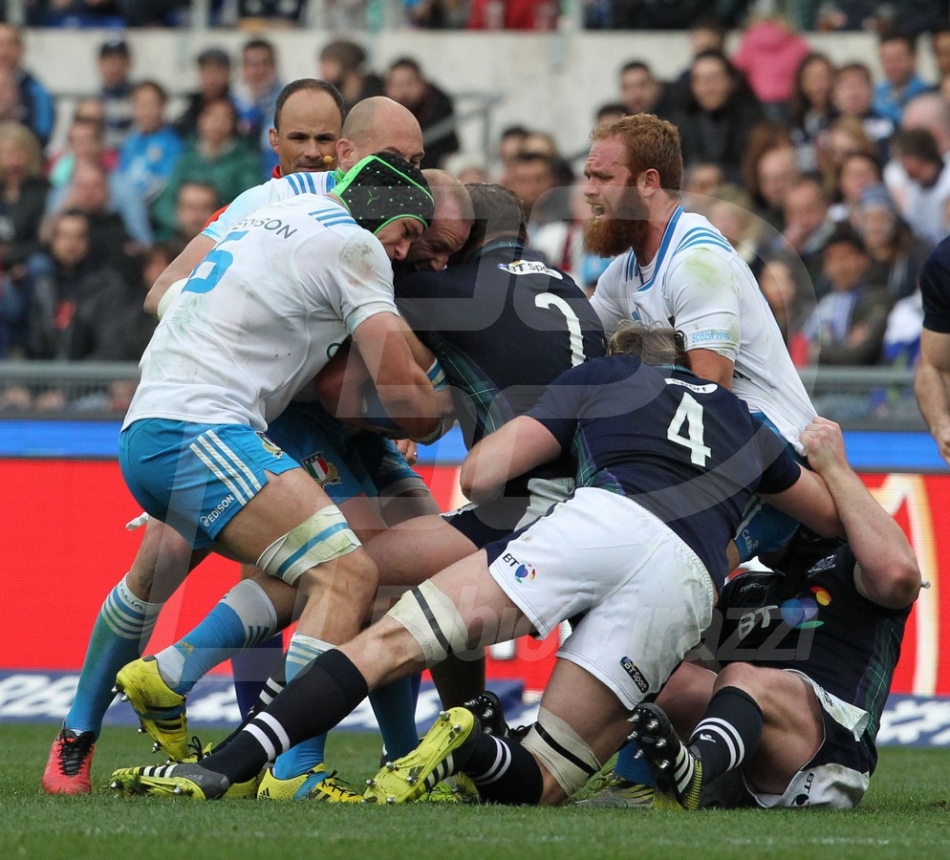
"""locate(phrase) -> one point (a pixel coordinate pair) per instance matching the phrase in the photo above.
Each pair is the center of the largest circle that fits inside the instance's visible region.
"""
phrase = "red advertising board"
(64, 547)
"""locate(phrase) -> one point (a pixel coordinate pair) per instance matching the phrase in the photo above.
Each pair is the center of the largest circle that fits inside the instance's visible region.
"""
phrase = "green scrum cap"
(383, 188)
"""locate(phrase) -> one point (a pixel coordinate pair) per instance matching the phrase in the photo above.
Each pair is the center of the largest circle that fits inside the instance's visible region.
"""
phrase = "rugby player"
(808, 655)
(675, 268)
(666, 464)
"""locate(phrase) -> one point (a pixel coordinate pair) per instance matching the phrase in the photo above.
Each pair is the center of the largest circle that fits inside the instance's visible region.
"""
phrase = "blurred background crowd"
(831, 180)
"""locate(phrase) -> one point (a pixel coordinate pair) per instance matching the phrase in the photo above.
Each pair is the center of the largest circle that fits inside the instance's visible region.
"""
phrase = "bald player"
(376, 124)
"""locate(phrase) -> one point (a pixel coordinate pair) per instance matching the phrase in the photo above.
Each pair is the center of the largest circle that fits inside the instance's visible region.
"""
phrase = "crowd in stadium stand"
(833, 185)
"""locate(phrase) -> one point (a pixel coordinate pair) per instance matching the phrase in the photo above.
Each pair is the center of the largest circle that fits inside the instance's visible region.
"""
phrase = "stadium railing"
(860, 398)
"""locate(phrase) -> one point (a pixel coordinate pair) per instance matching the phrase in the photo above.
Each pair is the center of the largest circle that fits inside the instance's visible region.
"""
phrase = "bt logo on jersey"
(523, 572)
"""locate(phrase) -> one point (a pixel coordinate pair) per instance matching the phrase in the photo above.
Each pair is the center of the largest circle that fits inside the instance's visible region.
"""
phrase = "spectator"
(122, 199)
(118, 223)
(151, 151)
(789, 292)
(343, 64)
(530, 176)
(76, 299)
(719, 115)
(730, 212)
(542, 143)
(84, 142)
(256, 97)
(772, 175)
(858, 172)
(929, 112)
(429, 105)
(809, 109)
(115, 93)
(940, 44)
(901, 346)
(915, 15)
(34, 105)
(14, 307)
(928, 188)
(641, 92)
(699, 184)
(539, 143)
(609, 113)
(847, 326)
(195, 204)
(844, 137)
(214, 82)
(807, 226)
(896, 253)
(706, 33)
(898, 55)
(853, 97)
(23, 192)
(512, 15)
(217, 156)
(509, 145)
(770, 55)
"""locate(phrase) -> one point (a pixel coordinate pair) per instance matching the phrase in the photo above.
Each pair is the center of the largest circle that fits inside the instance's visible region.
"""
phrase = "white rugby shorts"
(642, 595)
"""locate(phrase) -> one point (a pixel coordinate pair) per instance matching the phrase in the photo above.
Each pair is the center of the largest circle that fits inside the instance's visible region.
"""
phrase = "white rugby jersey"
(279, 188)
(262, 314)
(699, 285)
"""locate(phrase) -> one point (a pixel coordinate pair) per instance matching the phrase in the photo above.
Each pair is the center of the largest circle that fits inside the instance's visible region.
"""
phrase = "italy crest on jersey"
(321, 469)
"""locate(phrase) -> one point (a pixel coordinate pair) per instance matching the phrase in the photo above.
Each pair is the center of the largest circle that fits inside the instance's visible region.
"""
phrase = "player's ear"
(273, 137)
(344, 149)
(649, 181)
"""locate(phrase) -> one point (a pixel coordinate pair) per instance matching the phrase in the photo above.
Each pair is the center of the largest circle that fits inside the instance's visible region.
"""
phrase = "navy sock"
(729, 731)
(395, 709)
(504, 772)
(252, 668)
(323, 694)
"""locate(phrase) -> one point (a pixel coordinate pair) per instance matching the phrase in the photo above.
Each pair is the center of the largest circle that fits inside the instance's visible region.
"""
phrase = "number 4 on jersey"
(686, 429)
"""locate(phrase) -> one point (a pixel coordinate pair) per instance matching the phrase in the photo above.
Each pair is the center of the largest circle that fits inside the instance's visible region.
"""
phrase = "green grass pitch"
(906, 814)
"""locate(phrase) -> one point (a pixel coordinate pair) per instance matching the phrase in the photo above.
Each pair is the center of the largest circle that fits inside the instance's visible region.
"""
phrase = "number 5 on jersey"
(211, 269)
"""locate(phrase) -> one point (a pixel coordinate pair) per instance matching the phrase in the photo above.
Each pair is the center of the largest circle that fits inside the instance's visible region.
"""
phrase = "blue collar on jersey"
(633, 267)
(499, 245)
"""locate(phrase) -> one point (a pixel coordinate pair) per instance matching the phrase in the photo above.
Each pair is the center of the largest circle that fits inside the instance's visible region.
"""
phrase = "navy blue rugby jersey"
(811, 618)
(684, 448)
(935, 288)
(503, 326)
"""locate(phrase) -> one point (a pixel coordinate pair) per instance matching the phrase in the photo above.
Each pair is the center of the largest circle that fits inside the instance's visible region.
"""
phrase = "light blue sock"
(244, 617)
(119, 636)
(634, 769)
(395, 709)
(297, 760)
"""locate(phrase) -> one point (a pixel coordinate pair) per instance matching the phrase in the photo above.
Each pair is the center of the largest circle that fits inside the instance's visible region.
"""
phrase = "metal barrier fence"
(860, 398)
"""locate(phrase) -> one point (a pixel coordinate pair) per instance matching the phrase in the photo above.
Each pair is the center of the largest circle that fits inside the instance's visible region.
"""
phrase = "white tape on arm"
(172, 293)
